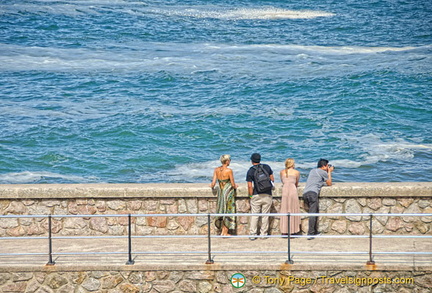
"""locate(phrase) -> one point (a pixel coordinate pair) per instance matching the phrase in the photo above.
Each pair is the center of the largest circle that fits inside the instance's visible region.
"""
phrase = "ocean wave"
(27, 177)
(197, 171)
(276, 13)
(202, 58)
(352, 49)
(275, 48)
(68, 8)
(374, 150)
(74, 8)
(265, 13)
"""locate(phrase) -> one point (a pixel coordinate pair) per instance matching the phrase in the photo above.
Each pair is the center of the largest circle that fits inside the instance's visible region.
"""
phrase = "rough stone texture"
(339, 226)
(260, 280)
(85, 200)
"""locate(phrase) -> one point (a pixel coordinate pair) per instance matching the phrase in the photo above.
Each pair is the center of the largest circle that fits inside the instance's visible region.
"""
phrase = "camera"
(330, 165)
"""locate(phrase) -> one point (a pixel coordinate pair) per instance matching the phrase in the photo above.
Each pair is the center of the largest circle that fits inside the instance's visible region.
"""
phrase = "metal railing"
(130, 261)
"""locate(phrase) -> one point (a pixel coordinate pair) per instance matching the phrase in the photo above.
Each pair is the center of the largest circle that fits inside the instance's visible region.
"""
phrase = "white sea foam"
(190, 58)
(195, 171)
(245, 13)
(349, 49)
(402, 146)
(374, 149)
(32, 177)
(275, 13)
(73, 8)
(393, 151)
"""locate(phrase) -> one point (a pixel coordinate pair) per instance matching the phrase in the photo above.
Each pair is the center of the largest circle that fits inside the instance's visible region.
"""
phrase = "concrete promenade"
(234, 251)
(261, 262)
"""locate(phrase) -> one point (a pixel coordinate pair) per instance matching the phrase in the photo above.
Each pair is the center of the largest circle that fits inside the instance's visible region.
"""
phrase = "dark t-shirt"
(250, 176)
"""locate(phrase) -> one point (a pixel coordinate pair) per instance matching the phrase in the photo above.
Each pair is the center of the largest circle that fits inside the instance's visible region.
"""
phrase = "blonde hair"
(225, 158)
(289, 163)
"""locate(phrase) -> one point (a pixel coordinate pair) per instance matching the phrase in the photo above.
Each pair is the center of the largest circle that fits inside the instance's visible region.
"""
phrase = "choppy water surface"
(134, 91)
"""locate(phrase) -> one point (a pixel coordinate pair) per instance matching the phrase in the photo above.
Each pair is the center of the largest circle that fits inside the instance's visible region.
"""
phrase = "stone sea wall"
(140, 199)
(203, 280)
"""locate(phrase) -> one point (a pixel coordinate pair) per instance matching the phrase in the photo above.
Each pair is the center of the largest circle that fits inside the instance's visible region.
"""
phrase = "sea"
(118, 91)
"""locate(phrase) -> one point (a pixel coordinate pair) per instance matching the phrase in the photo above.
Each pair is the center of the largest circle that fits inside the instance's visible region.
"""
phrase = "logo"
(238, 280)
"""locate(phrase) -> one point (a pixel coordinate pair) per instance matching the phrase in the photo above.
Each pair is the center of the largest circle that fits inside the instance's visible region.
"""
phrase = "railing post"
(50, 261)
(130, 260)
(209, 260)
(289, 260)
(371, 261)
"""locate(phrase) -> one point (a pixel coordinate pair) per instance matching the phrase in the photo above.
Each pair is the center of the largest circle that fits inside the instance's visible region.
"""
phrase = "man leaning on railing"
(316, 179)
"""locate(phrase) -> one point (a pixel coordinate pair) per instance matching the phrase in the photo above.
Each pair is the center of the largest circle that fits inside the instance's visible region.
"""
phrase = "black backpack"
(262, 179)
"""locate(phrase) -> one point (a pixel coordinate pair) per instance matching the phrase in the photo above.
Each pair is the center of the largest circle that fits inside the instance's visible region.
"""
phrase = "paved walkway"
(224, 251)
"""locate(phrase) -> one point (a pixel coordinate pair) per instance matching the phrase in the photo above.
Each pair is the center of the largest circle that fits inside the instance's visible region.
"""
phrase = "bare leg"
(225, 231)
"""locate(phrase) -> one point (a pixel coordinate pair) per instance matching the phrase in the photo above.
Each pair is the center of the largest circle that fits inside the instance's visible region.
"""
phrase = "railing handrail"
(204, 236)
(209, 236)
(216, 214)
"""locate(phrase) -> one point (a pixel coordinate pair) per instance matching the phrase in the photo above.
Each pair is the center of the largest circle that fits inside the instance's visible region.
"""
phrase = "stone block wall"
(119, 280)
(149, 199)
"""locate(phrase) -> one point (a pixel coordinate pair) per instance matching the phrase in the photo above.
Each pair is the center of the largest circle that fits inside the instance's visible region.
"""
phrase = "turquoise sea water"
(156, 91)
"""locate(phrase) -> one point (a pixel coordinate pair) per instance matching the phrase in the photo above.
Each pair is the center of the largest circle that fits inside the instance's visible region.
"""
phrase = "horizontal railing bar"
(70, 216)
(24, 238)
(286, 236)
(219, 236)
(347, 252)
(213, 252)
(218, 215)
(136, 236)
(248, 236)
(173, 236)
(400, 215)
(170, 252)
(330, 236)
(317, 214)
(23, 253)
(125, 237)
(292, 252)
(89, 253)
(225, 252)
(404, 252)
(23, 216)
(402, 236)
(89, 237)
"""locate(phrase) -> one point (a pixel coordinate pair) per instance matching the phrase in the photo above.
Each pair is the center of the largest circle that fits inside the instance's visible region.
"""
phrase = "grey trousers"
(311, 199)
(260, 203)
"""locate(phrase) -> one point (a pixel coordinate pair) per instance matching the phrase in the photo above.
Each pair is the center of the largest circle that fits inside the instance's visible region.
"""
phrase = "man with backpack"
(260, 185)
